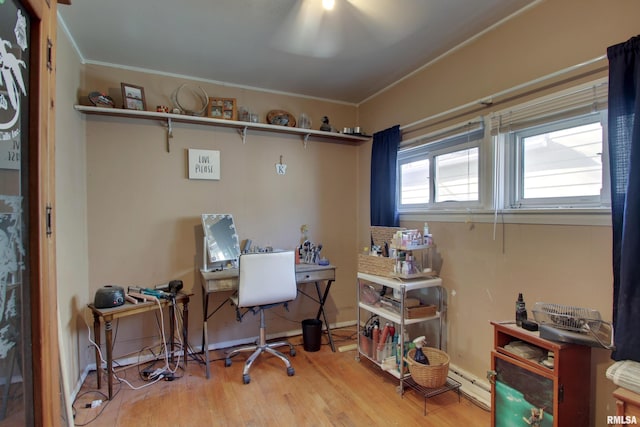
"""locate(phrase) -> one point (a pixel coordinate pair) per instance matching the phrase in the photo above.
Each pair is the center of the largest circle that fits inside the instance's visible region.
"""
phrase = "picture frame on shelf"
(133, 97)
(222, 108)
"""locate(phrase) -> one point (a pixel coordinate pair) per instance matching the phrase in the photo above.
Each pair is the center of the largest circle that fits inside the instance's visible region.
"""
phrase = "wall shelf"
(242, 127)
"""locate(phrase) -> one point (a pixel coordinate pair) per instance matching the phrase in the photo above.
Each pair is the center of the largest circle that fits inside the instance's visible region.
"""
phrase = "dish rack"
(584, 321)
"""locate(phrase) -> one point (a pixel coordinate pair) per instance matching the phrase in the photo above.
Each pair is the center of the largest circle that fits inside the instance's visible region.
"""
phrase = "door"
(29, 361)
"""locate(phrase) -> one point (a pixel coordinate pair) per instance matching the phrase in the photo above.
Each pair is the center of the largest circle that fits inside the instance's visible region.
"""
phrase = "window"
(558, 164)
(555, 151)
(457, 176)
(442, 172)
(544, 156)
(414, 177)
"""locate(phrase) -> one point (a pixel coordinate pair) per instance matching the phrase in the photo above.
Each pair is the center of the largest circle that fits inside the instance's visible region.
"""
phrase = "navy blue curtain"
(624, 157)
(384, 154)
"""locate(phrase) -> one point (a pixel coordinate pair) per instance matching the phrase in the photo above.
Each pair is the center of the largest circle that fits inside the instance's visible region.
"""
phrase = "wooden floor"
(328, 389)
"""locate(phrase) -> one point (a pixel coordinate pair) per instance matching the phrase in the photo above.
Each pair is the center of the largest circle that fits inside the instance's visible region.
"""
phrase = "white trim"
(588, 217)
(216, 82)
(125, 361)
(475, 389)
(83, 377)
(63, 25)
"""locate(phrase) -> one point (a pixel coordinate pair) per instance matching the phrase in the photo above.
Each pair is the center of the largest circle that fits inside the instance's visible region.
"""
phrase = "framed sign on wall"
(204, 164)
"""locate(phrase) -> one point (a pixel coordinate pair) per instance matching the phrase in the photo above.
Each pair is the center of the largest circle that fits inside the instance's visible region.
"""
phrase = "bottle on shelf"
(521, 310)
(419, 356)
(426, 235)
(375, 339)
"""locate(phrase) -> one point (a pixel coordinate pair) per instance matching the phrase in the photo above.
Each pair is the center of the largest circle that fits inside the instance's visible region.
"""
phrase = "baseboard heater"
(475, 389)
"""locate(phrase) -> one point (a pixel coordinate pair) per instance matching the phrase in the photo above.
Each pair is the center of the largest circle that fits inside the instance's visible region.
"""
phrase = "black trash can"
(311, 334)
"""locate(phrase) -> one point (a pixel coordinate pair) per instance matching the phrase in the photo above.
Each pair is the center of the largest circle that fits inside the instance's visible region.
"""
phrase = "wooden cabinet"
(627, 407)
(522, 385)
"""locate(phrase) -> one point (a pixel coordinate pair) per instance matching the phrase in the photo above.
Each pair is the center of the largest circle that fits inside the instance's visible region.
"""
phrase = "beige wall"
(143, 212)
(551, 263)
(71, 215)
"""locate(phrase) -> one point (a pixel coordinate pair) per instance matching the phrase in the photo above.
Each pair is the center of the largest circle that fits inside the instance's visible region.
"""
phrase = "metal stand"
(451, 384)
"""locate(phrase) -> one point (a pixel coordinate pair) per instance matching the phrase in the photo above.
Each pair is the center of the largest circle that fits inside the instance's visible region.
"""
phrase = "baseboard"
(83, 376)
(285, 334)
(475, 389)
(125, 361)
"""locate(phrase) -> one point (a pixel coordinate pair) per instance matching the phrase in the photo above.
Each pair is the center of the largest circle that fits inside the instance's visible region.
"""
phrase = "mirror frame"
(221, 242)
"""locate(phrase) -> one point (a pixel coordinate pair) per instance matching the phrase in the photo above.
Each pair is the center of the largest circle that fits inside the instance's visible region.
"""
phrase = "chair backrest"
(266, 278)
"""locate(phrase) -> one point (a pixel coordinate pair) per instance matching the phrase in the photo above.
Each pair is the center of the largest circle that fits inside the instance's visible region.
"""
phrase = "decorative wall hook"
(281, 168)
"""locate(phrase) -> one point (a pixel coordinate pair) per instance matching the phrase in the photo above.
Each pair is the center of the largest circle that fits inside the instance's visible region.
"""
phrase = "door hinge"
(49, 54)
(49, 231)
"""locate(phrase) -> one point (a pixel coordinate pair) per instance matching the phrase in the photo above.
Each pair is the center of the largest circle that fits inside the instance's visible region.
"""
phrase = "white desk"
(227, 280)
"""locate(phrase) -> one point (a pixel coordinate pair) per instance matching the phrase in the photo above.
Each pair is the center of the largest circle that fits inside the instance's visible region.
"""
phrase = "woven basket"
(376, 265)
(380, 235)
(433, 375)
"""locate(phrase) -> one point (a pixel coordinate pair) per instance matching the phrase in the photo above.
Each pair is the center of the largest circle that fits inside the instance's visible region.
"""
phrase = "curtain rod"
(505, 92)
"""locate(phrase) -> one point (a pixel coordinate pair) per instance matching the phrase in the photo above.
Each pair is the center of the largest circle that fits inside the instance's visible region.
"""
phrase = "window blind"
(584, 99)
(453, 135)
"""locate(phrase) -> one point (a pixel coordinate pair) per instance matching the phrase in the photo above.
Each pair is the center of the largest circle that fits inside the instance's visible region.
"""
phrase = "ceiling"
(347, 54)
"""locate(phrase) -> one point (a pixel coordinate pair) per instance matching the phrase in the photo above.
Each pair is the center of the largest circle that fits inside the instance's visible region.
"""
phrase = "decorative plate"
(281, 118)
(101, 100)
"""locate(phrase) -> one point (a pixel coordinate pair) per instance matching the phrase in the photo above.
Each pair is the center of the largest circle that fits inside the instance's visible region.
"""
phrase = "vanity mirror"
(220, 239)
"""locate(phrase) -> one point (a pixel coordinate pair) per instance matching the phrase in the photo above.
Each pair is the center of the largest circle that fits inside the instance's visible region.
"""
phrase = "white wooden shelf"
(243, 127)
(393, 316)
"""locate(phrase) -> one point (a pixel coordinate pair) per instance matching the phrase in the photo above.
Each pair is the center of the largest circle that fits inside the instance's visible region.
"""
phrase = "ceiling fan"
(327, 28)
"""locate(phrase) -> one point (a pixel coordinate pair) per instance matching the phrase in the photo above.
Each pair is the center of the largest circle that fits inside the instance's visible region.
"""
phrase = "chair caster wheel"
(227, 362)
(292, 352)
(246, 379)
(290, 371)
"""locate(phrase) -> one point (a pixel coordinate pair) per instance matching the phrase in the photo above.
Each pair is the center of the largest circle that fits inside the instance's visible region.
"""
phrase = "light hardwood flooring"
(328, 389)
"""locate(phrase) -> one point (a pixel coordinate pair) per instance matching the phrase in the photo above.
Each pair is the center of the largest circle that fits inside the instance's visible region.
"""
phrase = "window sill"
(590, 217)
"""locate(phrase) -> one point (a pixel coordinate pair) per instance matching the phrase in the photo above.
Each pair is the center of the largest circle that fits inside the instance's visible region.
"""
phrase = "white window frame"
(513, 185)
(462, 140)
(496, 181)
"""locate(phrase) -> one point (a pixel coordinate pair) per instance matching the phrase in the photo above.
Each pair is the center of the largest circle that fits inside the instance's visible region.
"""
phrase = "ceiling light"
(328, 4)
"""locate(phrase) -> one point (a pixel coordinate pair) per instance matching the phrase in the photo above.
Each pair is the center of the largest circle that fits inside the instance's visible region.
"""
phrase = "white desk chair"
(265, 280)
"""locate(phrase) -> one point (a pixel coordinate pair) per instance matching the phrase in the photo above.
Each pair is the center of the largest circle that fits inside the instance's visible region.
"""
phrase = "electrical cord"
(104, 402)
(191, 353)
(163, 353)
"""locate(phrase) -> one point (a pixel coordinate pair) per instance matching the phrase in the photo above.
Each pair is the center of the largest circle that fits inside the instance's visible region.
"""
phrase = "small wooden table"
(108, 315)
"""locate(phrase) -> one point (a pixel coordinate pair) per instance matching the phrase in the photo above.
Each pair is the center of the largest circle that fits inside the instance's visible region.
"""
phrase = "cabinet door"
(519, 395)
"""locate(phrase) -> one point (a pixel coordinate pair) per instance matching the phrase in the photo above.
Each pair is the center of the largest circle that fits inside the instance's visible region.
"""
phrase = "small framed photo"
(133, 97)
(222, 108)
